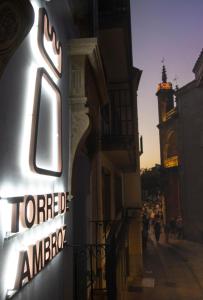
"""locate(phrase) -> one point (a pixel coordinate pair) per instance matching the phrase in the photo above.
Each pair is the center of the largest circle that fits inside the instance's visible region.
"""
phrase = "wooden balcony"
(117, 121)
(118, 132)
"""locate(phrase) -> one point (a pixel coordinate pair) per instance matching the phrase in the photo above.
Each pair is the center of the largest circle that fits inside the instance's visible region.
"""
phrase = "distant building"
(168, 134)
(190, 108)
(70, 199)
(181, 145)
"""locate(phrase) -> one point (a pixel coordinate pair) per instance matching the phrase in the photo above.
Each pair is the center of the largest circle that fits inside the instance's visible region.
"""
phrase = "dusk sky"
(173, 30)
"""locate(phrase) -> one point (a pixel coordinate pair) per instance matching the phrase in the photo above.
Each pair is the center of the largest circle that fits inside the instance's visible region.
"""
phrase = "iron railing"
(87, 273)
(95, 264)
(171, 113)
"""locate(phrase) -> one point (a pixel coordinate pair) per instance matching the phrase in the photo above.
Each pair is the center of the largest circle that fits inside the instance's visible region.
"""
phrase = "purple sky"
(170, 29)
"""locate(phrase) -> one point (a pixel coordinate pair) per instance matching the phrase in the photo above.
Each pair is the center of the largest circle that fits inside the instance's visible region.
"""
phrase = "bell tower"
(168, 132)
(165, 94)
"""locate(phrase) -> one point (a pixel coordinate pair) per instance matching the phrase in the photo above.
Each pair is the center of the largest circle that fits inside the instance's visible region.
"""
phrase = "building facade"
(181, 136)
(190, 132)
(70, 201)
(110, 154)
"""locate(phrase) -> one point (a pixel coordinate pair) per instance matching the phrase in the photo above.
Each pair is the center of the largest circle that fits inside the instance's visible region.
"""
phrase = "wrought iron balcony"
(95, 264)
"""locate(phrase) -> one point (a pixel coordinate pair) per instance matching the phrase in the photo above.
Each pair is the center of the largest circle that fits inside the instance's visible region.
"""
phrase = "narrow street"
(172, 271)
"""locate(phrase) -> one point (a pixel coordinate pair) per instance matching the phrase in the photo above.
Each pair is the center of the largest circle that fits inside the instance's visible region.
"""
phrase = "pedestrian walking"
(167, 231)
(173, 227)
(145, 231)
(157, 230)
(179, 227)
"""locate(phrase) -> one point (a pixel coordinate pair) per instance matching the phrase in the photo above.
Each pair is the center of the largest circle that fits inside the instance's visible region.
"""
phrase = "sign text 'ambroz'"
(28, 211)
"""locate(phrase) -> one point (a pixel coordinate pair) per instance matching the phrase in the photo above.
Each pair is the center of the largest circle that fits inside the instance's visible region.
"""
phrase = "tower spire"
(164, 75)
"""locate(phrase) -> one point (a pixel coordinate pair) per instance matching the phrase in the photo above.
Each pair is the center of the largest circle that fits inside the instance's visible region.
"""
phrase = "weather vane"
(163, 60)
(176, 82)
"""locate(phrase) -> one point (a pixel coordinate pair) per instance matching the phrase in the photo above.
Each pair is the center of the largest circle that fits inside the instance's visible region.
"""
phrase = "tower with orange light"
(165, 95)
(168, 132)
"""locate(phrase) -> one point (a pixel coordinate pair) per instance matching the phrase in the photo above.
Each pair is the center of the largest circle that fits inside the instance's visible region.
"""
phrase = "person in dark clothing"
(145, 228)
(173, 227)
(144, 238)
(179, 227)
(167, 231)
(157, 230)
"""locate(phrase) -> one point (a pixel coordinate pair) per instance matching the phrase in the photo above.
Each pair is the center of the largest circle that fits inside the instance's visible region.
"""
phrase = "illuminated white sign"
(49, 46)
(37, 256)
(26, 212)
(46, 93)
(30, 253)
(43, 98)
(45, 88)
(30, 210)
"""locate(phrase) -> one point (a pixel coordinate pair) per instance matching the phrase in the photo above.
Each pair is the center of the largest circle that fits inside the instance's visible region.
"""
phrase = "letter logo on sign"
(45, 156)
(46, 149)
(49, 47)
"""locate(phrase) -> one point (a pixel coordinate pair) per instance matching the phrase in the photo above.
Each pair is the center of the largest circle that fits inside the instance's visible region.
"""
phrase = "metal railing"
(95, 264)
(171, 113)
(86, 271)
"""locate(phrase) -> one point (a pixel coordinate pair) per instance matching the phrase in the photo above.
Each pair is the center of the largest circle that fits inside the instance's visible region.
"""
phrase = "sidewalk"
(192, 253)
(172, 271)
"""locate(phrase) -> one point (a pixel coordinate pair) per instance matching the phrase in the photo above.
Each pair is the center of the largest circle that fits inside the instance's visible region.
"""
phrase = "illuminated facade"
(169, 148)
(69, 184)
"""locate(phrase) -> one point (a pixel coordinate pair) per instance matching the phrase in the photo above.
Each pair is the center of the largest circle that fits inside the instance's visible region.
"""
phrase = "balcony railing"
(171, 113)
(95, 264)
